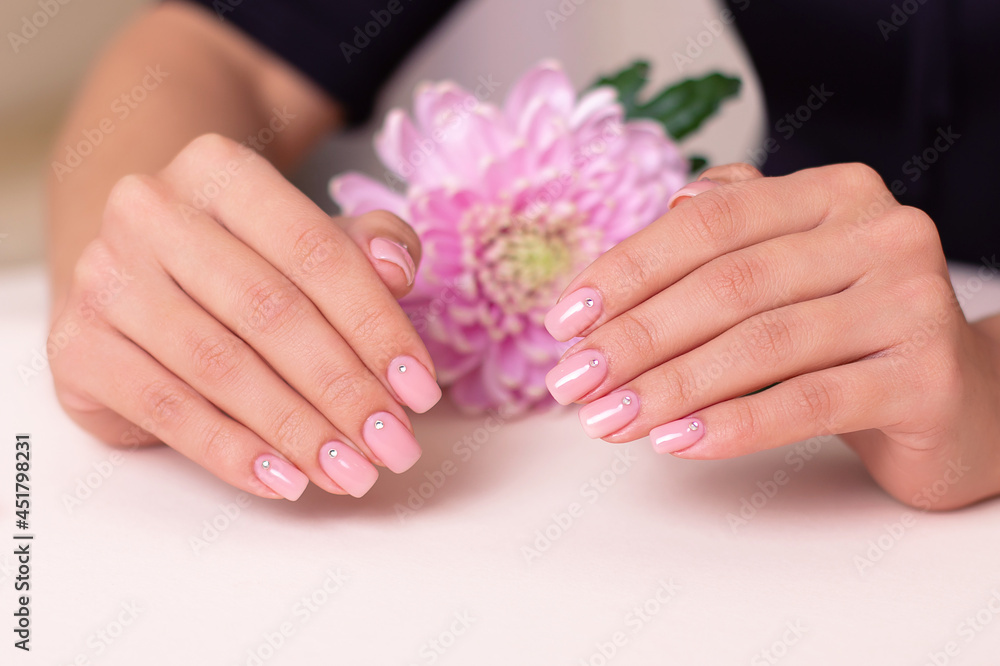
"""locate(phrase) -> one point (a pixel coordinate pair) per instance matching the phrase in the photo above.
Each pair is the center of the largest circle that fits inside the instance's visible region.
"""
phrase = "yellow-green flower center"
(520, 264)
(531, 259)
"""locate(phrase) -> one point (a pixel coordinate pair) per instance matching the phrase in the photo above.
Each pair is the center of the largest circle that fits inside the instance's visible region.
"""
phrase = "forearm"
(175, 73)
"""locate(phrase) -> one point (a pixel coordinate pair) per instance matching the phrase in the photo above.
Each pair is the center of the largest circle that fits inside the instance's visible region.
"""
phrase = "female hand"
(818, 280)
(223, 313)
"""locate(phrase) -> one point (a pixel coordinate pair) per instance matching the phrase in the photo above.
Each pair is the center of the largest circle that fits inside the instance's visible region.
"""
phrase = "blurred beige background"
(483, 37)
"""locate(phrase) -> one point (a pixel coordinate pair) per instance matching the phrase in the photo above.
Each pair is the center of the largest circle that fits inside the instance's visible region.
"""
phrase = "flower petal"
(357, 194)
(546, 81)
(408, 153)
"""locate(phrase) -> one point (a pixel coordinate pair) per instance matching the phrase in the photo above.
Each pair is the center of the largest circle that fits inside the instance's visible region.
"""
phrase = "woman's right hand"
(223, 313)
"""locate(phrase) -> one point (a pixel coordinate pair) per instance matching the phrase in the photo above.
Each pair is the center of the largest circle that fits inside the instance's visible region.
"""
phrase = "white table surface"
(122, 562)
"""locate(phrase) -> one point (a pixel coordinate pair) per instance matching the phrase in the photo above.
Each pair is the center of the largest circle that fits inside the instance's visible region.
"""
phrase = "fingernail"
(387, 250)
(280, 476)
(576, 376)
(573, 314)
(676, 435)
(690, 190)
(349, 469)
(609, 414)
(391, 441)
(413, 384)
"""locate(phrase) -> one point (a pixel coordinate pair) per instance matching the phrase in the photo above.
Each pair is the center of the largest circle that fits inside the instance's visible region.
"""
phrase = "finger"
(691, 190)
(391, 246)
(716, 222)
(701, 306)
(100, 421)
(225, 370)
(733, 172)
(153, 398)
(279, 223)
(266, 310)
(712, 178)
(848, 398)
(768, 348)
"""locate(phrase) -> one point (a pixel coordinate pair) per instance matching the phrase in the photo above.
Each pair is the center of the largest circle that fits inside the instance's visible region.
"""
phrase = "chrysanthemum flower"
(510, 203)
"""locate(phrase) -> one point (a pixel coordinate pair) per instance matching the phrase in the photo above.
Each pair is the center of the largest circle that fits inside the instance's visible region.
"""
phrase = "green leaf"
(684, 107)
(698, 162)
(681, 108)
(628, 82)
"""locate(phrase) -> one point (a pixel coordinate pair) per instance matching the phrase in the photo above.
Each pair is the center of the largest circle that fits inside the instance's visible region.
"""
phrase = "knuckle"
(915, 228)
(218, 444)
(709, 219)
(342, 388)
(928, 294)
(366, 321)
(211, 148)
(215, 358)
(639, 335)
(629, 268)
(769, 339)
(814, 400)
(858, 177)
(130, 200)
(679, 384)
(735, 280)
(93, 266)
(744, 171)
(163, 404)
(316, 250)
(266, 304)
(97, 281)
(132, 191)
(743, 424)
(289, 428)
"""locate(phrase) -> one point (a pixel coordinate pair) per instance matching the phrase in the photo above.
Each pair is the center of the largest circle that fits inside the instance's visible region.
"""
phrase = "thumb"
(712, 178)
(391, 246)
(733, 172)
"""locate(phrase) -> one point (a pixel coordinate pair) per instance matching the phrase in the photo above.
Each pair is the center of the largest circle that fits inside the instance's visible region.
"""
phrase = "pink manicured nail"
(690, 190)
(576, 376)
(609, 414)
(413, 384)
(676, 435)
(573, 314)
(280, 476)
(391, 441)
(387, 250)
(349, 469)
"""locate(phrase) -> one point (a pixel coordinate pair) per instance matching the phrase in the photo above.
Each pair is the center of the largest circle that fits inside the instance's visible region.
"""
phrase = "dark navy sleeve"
(348, 47)
(908, 88)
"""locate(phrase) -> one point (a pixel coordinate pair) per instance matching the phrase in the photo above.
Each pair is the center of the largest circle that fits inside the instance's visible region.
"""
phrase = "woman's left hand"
(818, 281)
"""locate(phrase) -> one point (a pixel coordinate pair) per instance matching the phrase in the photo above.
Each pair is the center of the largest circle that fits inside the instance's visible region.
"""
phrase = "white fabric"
(651, 530)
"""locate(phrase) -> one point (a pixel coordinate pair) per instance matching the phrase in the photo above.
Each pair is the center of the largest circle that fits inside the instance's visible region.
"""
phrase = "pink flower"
(510, 203)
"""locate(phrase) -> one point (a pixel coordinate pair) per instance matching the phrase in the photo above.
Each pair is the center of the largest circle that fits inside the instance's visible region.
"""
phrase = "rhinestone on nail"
(693, 425)
(379, 425)
(266, 464)
(626, 400)
(332, 453)
(593, 362)
(589, 302)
